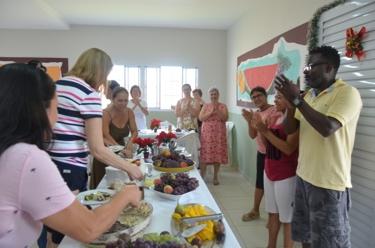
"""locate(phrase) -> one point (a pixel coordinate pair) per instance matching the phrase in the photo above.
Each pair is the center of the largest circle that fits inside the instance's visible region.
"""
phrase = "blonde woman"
(139, 107)
(80, 122)
(187, 110)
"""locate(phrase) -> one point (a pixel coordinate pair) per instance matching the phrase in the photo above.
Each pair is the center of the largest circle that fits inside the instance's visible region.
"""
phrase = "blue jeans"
(42, 240)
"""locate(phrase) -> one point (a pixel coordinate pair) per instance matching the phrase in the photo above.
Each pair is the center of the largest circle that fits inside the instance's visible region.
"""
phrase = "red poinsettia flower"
(143, 142)
(165, 137)
(171, 136)
(155, 123)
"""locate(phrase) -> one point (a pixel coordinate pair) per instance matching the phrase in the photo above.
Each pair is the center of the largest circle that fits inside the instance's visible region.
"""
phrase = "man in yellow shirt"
(326, 117)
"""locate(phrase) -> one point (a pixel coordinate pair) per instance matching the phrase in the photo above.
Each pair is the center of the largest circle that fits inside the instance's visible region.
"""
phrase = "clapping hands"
(286, 87)
(248, 115)
(258, 124)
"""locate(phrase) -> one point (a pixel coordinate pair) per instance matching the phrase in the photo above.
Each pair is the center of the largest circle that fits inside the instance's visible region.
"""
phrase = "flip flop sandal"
(250, 216)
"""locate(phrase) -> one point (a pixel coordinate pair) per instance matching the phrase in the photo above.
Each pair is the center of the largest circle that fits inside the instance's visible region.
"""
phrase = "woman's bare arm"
(108, 139)
(86, 225)
(102, 153)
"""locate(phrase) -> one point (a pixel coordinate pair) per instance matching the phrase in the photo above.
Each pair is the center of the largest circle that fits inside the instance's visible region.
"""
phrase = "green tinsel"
(312, 37)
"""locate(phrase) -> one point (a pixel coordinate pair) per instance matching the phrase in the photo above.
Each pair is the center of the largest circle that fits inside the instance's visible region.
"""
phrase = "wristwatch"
(297, 102)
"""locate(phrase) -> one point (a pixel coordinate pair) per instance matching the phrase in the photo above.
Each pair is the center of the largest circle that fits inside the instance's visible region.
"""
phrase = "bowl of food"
(96, 196)
(130, 222)
(213, 233)
(173, 186)
(116, 148)
(172, 161)
(115, 174)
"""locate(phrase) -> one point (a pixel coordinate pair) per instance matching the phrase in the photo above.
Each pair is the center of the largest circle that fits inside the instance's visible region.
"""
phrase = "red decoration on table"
(155, 123)
(143, 143)
(353, 43)
(165, 137)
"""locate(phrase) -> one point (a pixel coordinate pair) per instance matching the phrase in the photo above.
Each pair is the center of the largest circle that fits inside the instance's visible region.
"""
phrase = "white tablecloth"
(163, 210)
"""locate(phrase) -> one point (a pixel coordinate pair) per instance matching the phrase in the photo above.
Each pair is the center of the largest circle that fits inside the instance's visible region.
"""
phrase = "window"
(170, 86)
(132, 77)
(160, 86)
(153, 87)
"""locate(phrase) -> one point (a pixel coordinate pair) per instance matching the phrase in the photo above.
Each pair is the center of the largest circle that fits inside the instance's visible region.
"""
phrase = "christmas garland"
(314, 23)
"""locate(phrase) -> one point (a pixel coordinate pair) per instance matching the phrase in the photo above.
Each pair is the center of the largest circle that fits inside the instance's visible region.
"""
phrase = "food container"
(114, 174)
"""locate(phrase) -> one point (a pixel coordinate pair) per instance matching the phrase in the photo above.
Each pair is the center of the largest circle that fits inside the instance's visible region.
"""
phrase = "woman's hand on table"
(133, 193)
(127, 152)
(134, 172)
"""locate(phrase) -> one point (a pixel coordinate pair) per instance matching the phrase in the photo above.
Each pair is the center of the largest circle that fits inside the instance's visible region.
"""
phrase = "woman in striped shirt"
(79, 126)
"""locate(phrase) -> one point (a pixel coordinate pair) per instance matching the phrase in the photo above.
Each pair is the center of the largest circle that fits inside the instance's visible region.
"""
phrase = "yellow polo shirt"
(326, 162)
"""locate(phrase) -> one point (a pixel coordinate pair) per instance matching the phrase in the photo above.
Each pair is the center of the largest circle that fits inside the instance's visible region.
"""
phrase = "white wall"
(263, 22)
(266, 20)
(205, 49)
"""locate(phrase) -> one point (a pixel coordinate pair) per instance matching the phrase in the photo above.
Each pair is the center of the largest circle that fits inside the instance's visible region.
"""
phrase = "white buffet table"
(163, 210)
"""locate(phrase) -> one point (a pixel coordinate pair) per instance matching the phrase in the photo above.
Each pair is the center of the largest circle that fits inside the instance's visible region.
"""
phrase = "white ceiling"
(61, 14)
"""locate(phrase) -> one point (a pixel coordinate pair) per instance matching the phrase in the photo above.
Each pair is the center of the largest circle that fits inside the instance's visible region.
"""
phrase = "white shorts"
(279, 197)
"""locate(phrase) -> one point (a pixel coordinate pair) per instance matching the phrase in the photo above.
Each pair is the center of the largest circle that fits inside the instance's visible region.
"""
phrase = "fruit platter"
(213, 233)
(172, 161)
(130, 222)
(173, 186)
(154, 240)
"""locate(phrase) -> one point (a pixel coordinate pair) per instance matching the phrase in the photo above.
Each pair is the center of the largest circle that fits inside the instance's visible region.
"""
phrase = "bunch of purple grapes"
(120, 243)
(159, 187)
(149, 241)
(142, 243)
(181, 183)
(189, 183)
(167, 178)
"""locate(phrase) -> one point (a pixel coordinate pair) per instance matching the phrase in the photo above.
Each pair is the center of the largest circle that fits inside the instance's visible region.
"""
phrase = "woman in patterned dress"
(213, 134)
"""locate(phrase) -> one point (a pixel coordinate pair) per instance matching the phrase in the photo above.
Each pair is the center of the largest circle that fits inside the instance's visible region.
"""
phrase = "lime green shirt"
(326, 161)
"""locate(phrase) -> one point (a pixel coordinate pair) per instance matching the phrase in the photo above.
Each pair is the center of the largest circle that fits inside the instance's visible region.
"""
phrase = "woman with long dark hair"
(32, 191)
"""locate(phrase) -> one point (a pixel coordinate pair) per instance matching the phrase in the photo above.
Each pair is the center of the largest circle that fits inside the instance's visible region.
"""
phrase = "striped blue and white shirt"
(77, 101)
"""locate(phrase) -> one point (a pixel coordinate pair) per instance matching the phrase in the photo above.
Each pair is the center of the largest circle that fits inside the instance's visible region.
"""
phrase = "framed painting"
(284, 54)
(56, 67)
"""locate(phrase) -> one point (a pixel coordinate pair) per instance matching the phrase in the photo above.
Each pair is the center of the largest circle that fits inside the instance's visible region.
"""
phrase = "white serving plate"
(132, 231)
(81, 196)
(170, 196)
(116, 148)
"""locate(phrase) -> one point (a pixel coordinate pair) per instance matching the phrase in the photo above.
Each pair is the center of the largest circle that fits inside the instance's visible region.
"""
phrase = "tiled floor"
(235, 196)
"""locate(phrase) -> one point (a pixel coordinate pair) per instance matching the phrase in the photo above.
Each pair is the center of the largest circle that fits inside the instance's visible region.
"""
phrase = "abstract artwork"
(284, 54)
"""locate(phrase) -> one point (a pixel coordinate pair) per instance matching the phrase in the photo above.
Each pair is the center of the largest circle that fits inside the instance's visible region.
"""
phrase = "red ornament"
(353, 43)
